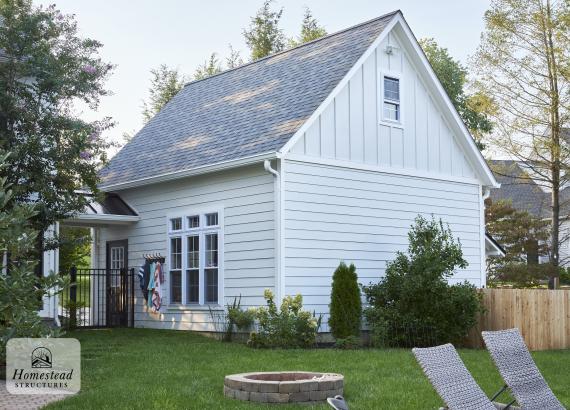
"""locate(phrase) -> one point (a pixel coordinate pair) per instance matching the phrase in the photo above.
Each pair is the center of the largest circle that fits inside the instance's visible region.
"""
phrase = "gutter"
(279, 248)
(170, 176)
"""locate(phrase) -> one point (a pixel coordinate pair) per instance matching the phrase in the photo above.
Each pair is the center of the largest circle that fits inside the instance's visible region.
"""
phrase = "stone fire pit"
(283, 387)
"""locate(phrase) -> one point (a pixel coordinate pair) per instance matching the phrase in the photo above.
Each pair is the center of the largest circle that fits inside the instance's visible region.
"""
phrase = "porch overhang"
(112, 210)
(492, 247)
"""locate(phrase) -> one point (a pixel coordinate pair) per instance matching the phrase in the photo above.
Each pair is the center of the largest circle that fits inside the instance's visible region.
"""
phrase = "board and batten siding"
(247, 197)
(334, 214)
(351, 127)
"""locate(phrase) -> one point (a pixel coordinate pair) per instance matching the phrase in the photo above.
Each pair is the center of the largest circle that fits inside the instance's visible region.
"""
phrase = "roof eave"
(170, 176)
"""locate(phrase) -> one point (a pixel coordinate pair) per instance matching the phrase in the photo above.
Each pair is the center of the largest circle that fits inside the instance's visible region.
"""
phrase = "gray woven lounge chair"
(451, 379)
(522, 377)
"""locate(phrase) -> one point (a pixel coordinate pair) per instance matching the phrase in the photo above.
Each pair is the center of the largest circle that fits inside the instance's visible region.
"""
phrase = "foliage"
(310, 30)
(237, 318)
(348, 343)
(20, 289)
(524, 238)
(165, 83)
(415, 292)
(210, 67)
(74, 248)
(233, 60)
(48, 70)
(565, 277)
(520, 274)
(264, 35)
(473, 108)
(346, 304)
(288, 326)
(522, 65)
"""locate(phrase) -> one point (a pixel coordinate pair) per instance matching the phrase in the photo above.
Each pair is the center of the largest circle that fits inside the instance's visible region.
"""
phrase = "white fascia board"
(220, 166)
(105, 219)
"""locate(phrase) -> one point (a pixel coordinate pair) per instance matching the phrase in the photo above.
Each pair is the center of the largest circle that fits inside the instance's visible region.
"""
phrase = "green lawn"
(146, 369)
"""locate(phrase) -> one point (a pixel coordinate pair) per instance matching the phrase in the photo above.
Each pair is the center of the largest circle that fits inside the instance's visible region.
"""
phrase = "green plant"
(565, 276)
(237, 318)
(348, 343)
(346, 305)
(20, 289)
(414, 303)
(288, 326)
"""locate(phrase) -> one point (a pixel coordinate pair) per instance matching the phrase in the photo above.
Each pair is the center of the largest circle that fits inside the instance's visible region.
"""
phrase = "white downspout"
(278, 227)
(486, 193)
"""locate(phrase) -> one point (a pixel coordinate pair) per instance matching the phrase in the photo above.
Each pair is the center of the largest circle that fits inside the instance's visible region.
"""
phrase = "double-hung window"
(391, 101)
(194, 241)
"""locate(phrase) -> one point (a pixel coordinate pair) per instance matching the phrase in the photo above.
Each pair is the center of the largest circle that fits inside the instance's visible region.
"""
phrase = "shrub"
(413, 303)
(346, 305)
(350, 342)
(235, 318)
(286, 327)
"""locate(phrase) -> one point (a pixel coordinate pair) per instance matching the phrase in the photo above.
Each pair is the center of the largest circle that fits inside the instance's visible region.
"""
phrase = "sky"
(143, 34)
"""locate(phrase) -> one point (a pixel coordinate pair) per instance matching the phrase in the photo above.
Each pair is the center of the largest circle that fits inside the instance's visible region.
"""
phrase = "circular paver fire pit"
(283, 387)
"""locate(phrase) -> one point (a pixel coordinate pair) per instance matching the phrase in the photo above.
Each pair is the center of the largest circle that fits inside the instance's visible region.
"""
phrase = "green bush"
(346, 305)
(286, 327)
(414, 303)
(348, 343)
(565, 276)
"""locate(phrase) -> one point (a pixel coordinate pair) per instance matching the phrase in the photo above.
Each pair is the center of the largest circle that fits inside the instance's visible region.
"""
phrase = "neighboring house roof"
(520, 188)
(243, 112)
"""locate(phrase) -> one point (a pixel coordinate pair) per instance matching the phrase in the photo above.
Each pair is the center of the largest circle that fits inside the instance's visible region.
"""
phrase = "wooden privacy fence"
(543, 316)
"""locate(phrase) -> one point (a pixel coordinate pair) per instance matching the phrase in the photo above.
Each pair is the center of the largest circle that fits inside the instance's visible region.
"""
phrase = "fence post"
(132, 298)
(72, 303)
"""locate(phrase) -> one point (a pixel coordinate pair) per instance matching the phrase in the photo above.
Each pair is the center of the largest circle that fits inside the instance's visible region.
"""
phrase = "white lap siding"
(363, 217)
(247, 198)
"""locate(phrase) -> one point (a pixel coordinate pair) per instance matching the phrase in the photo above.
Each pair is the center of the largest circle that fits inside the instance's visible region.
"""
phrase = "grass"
(143, 368)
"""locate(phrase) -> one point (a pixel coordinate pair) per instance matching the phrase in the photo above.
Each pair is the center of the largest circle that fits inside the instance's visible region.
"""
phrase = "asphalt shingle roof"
(517, 186)
(253, 109)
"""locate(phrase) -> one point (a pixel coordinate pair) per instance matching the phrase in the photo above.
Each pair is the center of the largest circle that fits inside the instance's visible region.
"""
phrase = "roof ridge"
(296, 47)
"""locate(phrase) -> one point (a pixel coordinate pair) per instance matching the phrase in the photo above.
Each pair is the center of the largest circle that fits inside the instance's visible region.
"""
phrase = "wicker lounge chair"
(337, 403)
(519, 371)
(451, 379)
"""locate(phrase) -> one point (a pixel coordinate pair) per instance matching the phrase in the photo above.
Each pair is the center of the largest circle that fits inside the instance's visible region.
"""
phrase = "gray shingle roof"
(517, 186)
(250, 110)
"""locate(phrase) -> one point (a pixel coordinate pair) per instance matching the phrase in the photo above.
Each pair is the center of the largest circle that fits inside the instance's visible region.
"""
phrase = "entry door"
(116, 283)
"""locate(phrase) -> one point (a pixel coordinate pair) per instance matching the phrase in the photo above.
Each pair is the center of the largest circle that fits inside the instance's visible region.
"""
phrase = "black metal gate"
(98, 298)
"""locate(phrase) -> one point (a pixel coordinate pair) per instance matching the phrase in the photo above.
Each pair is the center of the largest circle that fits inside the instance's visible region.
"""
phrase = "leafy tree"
(47, 70)
(414, 304)
(210, 67)
(346, 305)
(75, 247)
(165, 83)
(524, 238)
(234, 59)
(522, 63)
(475, 108)
(310, 30)
(264, 36)
(20, 288)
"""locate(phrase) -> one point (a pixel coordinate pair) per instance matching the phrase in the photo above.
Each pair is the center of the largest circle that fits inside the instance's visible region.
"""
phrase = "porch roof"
(112, 210)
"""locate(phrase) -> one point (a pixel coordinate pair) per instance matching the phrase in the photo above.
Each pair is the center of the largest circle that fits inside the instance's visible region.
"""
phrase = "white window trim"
(384, 120)
(201, 231)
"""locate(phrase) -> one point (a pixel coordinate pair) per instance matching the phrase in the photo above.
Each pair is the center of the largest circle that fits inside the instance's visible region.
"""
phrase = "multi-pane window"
(211, 268)
(194, 250)
(176, 270)
(391, 105)
(193, 269)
